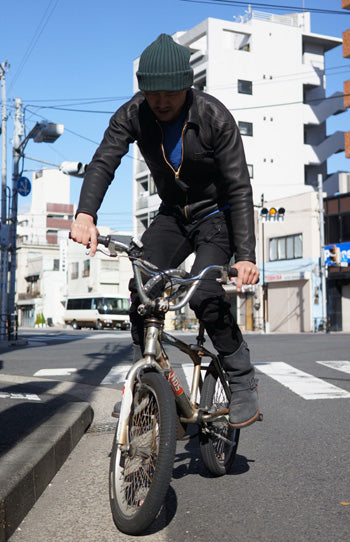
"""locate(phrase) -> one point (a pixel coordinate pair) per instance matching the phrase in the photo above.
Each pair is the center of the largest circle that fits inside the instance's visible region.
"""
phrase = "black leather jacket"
(212, 174)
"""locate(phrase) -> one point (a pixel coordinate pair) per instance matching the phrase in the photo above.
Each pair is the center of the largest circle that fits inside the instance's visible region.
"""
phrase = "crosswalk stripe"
(116, 375)
(55, 372)
(103, 336)
(301, 383)
(339, 365)
(20, 396)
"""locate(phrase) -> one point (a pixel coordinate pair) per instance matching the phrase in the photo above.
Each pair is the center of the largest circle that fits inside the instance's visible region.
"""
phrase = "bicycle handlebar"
(177, 280)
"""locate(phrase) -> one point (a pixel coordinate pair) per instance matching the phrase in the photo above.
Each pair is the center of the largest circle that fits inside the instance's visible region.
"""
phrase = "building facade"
(337, 260)
(345, 4)
(41, 253)
(290, 295)
(50, 267)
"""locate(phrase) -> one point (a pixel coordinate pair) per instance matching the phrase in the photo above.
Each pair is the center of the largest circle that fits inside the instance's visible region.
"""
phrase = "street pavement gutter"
(27, 469)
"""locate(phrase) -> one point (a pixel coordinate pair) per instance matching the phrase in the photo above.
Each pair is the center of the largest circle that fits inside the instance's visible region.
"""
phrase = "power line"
(242, 108)
(283, 78)
(269, 6)
(39, 30)
(320, 100)
(83, 101)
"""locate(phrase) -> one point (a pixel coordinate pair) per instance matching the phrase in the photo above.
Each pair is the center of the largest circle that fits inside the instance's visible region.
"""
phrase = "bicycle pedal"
(116, 410)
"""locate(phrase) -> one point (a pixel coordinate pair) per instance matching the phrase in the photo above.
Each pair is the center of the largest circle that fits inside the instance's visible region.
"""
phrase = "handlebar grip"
(232, 272)
(103, 240)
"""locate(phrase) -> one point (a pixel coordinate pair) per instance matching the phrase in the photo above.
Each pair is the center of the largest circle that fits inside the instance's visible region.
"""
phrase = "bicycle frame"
(156, 359)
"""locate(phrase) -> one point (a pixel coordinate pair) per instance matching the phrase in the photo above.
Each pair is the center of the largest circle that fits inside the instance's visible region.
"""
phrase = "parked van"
(97, 312)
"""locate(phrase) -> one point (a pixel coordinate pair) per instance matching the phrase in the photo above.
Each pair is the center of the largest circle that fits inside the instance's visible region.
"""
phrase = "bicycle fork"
(154, 359)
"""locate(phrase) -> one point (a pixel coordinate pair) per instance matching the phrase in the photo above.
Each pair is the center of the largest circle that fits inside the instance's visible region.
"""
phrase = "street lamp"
(46, 132)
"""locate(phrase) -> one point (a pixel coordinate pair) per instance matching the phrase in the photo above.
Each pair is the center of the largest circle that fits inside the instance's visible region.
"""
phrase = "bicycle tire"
(139, 479)
(216, 454)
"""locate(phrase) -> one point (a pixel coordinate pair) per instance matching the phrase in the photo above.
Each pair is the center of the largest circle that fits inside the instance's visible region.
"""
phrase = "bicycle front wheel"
(218, 441)
(140, 476)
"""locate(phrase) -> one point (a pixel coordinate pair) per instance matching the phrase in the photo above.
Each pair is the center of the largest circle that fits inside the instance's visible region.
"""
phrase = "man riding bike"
(193, 148)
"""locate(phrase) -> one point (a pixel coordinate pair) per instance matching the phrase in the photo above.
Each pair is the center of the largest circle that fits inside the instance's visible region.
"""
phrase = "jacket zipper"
(176, 172)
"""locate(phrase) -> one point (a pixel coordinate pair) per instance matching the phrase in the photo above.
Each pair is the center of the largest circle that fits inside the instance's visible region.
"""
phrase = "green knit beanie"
(164, 65)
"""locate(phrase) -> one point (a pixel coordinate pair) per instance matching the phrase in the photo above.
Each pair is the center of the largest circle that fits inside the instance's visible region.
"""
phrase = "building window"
(286, 248)
(142, 185)
(56, 265)
(152, 215)
(250, 170)
(152, 186)
(86, 268)
(245, 87)
(236, 40)
(245, 128)
(345, 218)
(337, 228)
(74, 270)
(200, 81)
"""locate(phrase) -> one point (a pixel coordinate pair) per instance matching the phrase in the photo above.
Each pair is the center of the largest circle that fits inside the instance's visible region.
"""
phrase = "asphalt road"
(290, 481)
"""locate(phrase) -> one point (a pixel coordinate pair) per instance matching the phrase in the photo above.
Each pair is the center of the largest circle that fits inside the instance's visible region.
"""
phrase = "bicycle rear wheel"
(218, 441)
(140, 477)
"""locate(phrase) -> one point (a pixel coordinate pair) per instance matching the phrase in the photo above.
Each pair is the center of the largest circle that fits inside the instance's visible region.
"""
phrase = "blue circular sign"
(23, 186)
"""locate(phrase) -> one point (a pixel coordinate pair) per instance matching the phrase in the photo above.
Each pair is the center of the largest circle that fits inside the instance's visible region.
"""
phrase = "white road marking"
(116, 375)
(116, 335)
(40, 338)
(55, 372)
(339, 365)
(301, 383)
(21, 396)
(188, 372)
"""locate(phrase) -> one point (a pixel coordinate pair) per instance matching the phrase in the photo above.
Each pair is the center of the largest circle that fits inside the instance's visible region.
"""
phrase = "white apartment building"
(269, 71)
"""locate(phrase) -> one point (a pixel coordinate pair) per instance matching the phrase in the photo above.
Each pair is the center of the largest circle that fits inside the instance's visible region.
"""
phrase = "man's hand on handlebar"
(248, 273)
(84, 231)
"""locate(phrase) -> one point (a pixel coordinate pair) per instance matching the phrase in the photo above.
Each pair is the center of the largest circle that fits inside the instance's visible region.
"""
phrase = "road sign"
(23, 186)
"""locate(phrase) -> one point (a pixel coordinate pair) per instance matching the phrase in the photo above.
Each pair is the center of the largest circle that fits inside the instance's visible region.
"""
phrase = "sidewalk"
(41, 421)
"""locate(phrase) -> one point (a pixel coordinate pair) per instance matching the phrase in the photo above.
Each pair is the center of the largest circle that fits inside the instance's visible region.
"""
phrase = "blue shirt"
(172, 141)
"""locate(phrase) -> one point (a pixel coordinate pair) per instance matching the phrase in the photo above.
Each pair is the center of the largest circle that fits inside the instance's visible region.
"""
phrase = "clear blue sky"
(77, 55)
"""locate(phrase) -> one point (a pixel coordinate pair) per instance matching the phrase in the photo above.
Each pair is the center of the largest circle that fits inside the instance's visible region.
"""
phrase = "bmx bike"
(155, 404)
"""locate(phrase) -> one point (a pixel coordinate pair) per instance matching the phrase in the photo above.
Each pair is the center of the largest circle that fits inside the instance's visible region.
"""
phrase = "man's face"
(166, 105)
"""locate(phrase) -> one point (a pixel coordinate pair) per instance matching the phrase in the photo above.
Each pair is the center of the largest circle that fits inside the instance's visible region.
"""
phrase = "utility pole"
(322, 264)
(264, 297)
(3, 226)
(16, 155)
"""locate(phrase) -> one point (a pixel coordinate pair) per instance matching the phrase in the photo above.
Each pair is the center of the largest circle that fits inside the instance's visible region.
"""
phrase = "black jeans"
(166, 244)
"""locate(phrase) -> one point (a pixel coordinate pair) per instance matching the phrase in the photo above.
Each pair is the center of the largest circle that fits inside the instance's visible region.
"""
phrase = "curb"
(33, 462)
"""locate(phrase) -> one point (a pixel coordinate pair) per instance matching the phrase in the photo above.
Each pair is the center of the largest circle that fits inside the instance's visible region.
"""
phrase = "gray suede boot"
(244, 406)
